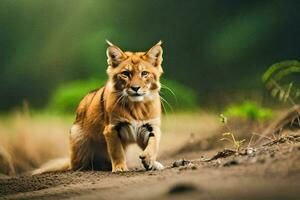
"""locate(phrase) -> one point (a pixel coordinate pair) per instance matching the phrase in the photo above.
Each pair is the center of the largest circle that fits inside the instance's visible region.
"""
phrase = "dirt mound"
(289, 121)
(241, 128)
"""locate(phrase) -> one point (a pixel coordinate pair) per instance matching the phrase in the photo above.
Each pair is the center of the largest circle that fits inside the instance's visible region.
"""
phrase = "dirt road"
(265, 172)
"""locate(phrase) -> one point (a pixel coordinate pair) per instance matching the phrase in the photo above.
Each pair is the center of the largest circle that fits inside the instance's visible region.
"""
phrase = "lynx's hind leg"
(86, 153)
(79, 148)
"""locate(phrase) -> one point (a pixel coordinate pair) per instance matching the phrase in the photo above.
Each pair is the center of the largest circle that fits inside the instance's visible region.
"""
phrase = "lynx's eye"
(125, 74)
(145, 73)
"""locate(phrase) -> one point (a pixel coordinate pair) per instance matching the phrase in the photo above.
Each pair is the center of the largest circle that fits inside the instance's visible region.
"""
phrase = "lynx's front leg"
(148, 156)
(115, 149)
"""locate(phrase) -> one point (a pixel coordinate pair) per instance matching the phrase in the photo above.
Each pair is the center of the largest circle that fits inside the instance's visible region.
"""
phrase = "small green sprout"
(229, 136)
(223, 119)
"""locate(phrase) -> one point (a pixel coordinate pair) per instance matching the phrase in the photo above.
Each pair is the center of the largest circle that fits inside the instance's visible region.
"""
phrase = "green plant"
(280, 80)
(249, 110)
(229, 136)
(65, 98)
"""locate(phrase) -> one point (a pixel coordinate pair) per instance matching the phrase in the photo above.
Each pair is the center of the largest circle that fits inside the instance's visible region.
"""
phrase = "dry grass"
(28, 140)
(32, 140)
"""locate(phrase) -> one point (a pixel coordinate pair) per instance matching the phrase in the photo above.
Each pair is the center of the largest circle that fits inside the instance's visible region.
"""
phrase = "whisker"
(118, 100)
(164, 108)
(170, 90)
(114, 92)
(164, 100)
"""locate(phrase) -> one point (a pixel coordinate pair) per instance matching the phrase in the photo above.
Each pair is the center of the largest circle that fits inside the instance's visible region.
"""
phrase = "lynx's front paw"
(119, 168)
(149, 162)
(157, 166)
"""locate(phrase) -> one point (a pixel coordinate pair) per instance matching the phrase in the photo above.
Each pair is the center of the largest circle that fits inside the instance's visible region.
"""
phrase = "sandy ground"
(262, 172)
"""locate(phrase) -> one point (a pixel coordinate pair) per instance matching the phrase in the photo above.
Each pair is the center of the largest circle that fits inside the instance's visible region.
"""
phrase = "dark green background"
(220, 48)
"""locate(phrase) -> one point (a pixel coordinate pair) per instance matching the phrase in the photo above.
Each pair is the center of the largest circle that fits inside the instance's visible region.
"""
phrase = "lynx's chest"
(136, 131)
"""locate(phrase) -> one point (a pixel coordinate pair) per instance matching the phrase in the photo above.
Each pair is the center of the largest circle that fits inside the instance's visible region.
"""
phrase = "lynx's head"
(135, 75)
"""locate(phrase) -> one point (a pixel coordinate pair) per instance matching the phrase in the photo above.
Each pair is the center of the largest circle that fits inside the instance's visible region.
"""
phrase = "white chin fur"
(136, 98)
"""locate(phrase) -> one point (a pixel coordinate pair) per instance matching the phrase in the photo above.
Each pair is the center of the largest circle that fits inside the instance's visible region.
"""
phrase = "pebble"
(181, 162)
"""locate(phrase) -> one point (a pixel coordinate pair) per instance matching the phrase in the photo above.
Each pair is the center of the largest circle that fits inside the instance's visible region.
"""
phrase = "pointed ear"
(114, 55)
(154, 55)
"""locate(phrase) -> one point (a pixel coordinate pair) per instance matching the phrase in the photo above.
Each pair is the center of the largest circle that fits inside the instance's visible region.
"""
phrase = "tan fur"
(62, 164)
(110, 118)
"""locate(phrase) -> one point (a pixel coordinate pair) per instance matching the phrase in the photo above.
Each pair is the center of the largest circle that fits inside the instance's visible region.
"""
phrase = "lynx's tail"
(57, 165)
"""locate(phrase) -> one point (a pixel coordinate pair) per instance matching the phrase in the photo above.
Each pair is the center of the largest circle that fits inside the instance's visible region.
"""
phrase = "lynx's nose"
(135, 88)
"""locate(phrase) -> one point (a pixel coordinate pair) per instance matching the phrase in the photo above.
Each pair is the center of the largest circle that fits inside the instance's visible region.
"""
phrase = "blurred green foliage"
(209, 46)
(178, 97)
(66, 98)
(249, 110)
(282, 79)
